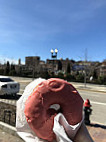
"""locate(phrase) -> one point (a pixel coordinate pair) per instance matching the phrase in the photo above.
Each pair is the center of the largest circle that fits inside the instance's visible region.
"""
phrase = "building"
(34, 65)
(103, 69)
(59, 65)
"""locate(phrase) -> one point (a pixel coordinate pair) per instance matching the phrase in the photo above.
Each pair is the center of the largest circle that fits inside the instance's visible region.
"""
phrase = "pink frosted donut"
(40, 116)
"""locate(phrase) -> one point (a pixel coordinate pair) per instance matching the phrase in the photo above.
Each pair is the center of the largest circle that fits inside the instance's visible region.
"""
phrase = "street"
(98, 102)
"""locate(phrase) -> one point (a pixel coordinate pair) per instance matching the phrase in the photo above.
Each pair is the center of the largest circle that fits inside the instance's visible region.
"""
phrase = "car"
(8, 86)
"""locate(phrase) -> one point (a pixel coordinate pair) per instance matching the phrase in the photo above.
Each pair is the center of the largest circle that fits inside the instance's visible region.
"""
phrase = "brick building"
(59, 65)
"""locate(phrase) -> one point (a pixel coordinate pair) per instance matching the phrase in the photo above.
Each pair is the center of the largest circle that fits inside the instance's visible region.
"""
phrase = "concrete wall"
(8, 113)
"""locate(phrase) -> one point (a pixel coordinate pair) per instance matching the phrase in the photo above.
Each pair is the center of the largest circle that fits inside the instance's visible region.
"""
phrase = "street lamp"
(53, 56)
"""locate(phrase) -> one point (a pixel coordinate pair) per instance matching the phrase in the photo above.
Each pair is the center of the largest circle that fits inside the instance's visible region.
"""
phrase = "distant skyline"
(33, 28)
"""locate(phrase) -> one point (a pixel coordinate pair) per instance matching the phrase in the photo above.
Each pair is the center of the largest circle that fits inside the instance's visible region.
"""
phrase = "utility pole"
(85, 67)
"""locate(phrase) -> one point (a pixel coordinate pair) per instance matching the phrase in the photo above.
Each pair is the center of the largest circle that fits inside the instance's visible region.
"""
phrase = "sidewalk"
(97, 132)
(6, 137)
(8, 133)
(89, 87)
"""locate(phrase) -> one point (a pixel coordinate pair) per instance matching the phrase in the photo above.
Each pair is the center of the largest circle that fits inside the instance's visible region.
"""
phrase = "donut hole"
(53, 110)
(55, 107)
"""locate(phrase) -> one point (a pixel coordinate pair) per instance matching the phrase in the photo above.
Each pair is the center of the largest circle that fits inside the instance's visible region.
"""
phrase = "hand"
(83, 135)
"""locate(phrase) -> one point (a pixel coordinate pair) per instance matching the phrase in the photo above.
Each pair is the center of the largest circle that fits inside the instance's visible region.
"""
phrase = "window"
(6, 80)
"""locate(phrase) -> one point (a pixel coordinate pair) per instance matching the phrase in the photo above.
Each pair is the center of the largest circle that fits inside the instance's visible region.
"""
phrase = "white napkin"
(25, 132)
(62, 129)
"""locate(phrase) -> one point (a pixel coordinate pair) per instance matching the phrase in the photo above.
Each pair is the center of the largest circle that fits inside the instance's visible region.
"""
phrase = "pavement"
(97, 132)
(6, 137)
(89, 87)
(8, 133)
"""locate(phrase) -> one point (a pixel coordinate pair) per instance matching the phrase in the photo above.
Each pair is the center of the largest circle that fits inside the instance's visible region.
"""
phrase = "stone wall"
(8, 113)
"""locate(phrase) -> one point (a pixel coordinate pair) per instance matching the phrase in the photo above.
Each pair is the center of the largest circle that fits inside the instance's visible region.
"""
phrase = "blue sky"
(34, 27)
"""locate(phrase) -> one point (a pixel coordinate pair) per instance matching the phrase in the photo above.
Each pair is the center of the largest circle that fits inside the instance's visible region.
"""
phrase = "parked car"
(8, 86)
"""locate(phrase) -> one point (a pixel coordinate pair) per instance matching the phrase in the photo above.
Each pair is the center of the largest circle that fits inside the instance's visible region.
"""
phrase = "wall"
(8, 113)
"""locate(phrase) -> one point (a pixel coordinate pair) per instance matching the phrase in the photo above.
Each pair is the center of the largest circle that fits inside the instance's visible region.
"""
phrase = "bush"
(43, 74)
(60, 75)
(1, 71)
(102, 80)
(80, 78)
(70, 77)
(12, 73)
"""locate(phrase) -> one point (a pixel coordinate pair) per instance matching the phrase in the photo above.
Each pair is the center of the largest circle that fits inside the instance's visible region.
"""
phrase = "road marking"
(92, 95)
(98, 103)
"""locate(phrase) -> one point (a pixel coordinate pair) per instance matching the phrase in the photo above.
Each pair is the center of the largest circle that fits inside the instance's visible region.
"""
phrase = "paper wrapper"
(23, 129)
(64, 132)
(25, 132)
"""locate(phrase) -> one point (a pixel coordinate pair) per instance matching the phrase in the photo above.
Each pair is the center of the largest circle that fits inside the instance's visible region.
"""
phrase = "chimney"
(19, 62)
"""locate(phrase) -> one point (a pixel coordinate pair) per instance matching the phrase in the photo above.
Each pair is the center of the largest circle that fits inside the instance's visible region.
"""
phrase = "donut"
(39, 114)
